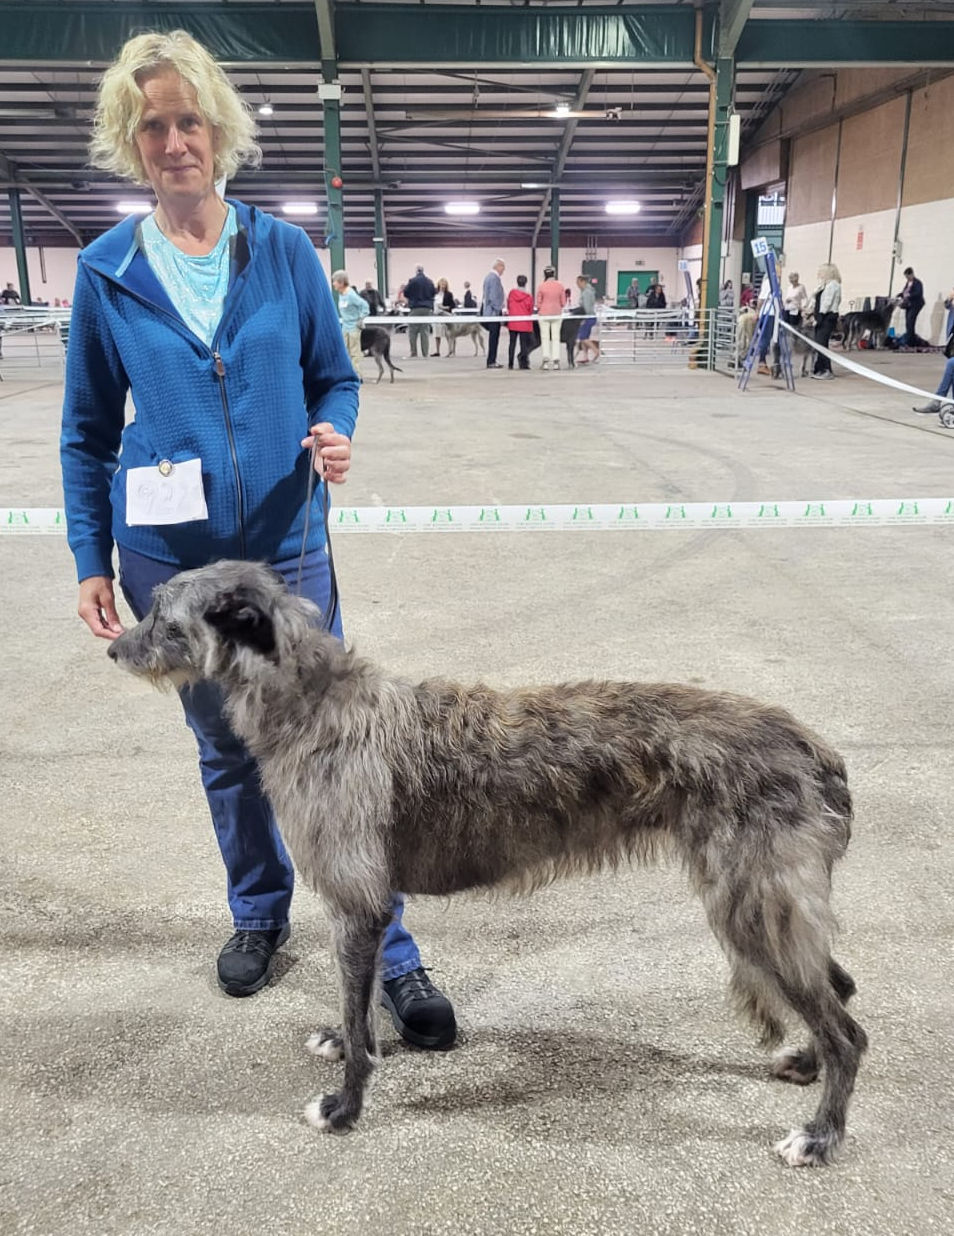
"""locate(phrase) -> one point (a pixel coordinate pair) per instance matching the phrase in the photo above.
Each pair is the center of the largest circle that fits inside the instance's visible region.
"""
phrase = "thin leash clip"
(329, 612)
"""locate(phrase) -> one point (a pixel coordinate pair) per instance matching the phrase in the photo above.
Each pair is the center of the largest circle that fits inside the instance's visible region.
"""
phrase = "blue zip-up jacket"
(277, 365)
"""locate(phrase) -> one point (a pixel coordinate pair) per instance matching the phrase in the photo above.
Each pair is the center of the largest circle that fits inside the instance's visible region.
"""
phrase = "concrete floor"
(601, 1084)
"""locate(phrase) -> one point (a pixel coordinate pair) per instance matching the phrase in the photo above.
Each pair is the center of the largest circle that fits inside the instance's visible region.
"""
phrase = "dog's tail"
(832, 777)
(387, 357)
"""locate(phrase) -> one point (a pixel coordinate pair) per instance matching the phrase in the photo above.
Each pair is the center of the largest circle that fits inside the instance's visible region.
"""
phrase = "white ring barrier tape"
(443, 319)
(589, 517)
(862, 370)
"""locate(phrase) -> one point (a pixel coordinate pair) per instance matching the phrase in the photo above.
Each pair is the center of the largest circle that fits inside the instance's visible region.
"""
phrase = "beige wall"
(929, 173)
(811, 177)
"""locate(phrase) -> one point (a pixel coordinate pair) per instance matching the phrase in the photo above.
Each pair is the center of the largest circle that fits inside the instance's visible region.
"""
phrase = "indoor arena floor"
(601, 1084)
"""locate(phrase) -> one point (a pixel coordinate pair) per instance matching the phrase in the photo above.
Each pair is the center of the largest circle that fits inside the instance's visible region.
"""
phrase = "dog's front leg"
(357, 950)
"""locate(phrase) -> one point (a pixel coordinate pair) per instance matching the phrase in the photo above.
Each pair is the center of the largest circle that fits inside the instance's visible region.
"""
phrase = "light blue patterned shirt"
(195, 285)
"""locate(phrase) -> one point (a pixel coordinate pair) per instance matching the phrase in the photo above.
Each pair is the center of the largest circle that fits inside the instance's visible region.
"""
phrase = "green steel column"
(380, 244)
(716, 184)
(331, 100)
(19, 243)
(555, 229)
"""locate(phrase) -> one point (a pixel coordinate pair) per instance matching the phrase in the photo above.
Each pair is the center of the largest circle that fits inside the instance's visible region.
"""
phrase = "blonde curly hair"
(121, 103)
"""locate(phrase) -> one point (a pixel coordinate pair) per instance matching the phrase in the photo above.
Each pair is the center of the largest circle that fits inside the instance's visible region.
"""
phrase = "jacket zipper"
(239, 503)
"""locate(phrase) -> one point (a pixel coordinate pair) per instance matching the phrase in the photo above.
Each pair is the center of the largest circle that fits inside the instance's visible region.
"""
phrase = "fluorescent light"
(134, 207)
(532, 184)
(300, 208)
(561, 109)
(462, 208)
(266, 110)
(622, 208)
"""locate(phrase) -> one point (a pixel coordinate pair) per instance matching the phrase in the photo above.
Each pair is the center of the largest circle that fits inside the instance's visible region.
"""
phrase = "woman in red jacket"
(520, 304)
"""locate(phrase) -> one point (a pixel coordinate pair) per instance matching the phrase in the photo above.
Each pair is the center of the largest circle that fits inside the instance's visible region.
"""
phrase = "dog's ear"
(238, 619)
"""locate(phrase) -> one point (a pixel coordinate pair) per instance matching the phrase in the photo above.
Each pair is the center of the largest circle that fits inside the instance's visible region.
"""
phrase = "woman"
(352, 310)
(444, 302)
(218, 320)
(794, 301)
(551, 297)
(587, 309)
(726, 295)
(520, 305)
(827, 305)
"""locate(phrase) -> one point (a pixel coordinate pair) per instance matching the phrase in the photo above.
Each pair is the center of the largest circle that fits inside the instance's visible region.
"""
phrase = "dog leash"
(331, 609)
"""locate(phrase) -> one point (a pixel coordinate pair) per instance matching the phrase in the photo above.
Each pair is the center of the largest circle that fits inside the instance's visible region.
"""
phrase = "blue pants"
(947, 380)
(260, 873)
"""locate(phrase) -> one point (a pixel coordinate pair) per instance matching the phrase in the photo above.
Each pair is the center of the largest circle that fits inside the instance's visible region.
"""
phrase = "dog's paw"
(798, 1067)
(327, 1044)
(329, 1114)
(805, 1149)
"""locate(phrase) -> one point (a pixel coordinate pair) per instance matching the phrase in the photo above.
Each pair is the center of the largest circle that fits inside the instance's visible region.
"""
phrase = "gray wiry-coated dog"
(434, 788)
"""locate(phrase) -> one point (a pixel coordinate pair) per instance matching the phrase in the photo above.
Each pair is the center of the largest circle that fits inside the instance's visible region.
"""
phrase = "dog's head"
(216, 622)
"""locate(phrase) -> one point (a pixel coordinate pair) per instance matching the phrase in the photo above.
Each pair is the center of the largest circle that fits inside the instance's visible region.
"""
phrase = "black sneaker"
(422, 1015)
(245, 964)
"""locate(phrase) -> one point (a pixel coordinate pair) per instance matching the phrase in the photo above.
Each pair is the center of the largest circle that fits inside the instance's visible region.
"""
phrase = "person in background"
(444, 303)
(949, 306)
(352, 310)
(217, 320)
(550, 300)
(726, 295)
(944, 395)
(747, 296)
(655, 299)
(374, 298)
(470, 301)
(827, 305)
(419, 293)
(9, 295)
(587, 307)
(794, 301)
(912, 302)
(632, 294)
(492, 306)
(768, 335)
(520, 305)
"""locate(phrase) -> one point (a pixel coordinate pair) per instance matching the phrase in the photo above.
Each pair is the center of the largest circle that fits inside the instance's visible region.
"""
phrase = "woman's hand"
(97, 607)
(331, 452)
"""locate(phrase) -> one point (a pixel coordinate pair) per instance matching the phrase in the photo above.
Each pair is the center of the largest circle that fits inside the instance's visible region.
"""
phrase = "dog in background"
(376, 343)
(455, 328)
(434, 788)
(874, 323)
(744, 332)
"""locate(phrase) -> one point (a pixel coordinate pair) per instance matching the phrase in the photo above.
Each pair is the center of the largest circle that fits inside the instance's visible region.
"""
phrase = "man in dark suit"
(912, 302)
(419, 293)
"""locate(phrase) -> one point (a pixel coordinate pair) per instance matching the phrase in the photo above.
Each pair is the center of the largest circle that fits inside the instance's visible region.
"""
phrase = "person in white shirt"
(794, 301)
(827, 305)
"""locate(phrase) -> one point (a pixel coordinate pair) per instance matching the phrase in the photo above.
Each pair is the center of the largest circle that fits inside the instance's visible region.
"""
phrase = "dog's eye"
(173, 630)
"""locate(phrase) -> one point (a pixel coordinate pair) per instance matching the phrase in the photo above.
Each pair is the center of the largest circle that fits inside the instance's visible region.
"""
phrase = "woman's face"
(176, 143)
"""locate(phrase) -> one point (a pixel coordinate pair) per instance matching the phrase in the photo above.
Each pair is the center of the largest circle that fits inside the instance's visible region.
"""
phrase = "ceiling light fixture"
(532, 184)
(561, 109)
(266, 109)
(462, 208)
(622, 208)
(134, 206)
(300, 208)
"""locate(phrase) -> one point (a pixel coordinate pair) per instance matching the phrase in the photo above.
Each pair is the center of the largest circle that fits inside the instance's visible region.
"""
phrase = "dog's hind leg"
(357, 948)
(377, 360)
(772, 915)
(800, 1065)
